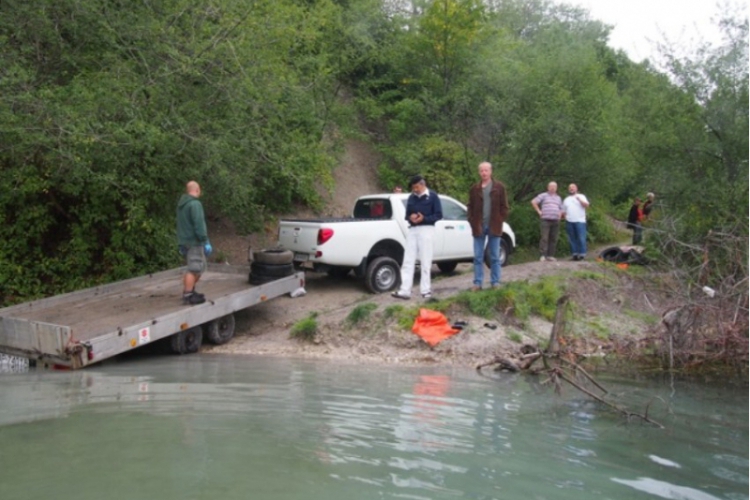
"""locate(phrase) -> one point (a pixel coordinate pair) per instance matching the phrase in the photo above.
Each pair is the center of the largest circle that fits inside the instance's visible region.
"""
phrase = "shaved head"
(193, 188)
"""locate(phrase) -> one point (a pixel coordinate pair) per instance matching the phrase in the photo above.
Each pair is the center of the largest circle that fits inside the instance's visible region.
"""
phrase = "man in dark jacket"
(423, 210)
(487, 211)
(192, 240)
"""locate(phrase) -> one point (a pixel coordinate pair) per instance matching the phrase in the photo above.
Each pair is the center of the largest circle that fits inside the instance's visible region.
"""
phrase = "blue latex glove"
(208, 249)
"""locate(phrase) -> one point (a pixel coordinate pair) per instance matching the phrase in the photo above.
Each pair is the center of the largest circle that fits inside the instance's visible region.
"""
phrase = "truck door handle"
(449, 227)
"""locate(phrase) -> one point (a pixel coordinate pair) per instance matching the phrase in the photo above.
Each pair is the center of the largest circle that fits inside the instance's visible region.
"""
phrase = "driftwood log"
(559, 368)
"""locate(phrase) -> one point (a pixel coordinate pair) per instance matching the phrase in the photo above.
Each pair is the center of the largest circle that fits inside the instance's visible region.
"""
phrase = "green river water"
(218, 427)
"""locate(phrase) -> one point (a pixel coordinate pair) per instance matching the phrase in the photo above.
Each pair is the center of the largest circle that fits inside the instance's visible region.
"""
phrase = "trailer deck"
(87, 326)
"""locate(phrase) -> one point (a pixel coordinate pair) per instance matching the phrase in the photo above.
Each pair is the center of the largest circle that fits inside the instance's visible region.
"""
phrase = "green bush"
(305, 329)
(360, 313)
(519, 298)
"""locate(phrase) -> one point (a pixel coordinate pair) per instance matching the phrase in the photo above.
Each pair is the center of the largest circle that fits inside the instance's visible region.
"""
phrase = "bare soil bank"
(611, 308)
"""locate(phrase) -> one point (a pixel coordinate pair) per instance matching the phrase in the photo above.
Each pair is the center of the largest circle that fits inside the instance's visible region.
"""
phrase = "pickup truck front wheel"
(383, 274)
(448, 266)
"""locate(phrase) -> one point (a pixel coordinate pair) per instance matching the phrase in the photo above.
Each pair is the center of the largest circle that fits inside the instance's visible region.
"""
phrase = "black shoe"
(193, 298)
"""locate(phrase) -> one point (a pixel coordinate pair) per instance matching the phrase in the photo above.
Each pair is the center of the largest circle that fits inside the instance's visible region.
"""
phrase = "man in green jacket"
(192, 240)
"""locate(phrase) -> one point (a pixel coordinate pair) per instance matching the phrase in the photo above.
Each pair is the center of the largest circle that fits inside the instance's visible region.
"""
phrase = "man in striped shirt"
(549, 206)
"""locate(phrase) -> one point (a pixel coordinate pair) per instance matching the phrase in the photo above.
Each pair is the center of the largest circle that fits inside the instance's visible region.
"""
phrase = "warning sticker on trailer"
(144, 335)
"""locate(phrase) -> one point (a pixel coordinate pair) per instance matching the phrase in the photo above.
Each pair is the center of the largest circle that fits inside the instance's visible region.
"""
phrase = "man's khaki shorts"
(196, 260)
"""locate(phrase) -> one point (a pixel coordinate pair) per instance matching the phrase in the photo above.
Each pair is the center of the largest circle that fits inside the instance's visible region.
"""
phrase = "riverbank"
(610, 310)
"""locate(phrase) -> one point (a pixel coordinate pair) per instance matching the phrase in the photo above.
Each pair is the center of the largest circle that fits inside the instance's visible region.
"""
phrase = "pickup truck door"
(452, 234)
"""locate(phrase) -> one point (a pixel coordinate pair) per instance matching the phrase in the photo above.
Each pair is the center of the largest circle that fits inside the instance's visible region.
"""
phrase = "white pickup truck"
(372, 241)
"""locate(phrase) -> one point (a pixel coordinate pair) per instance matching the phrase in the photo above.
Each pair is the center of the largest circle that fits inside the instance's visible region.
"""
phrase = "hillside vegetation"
(108, 108)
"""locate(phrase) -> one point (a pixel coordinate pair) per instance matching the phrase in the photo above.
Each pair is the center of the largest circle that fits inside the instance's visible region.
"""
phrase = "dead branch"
(556, 366)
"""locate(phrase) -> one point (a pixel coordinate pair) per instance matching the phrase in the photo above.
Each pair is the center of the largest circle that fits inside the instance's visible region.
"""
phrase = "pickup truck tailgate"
(301, 237)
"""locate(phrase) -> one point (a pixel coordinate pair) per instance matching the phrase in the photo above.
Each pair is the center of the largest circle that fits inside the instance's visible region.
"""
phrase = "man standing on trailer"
(192, 240)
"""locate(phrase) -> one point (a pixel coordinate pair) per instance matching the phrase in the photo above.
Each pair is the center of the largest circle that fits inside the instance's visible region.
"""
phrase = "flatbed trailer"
(81, 328)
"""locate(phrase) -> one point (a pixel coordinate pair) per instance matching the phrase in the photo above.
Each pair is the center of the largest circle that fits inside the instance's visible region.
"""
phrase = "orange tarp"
(432, 326)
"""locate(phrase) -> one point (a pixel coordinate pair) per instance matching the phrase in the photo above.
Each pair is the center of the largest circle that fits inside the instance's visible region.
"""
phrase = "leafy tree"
(109, 109)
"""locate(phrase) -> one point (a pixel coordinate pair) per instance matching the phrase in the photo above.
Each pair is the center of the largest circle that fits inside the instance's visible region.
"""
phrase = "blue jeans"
(576, 237)
(494, 245)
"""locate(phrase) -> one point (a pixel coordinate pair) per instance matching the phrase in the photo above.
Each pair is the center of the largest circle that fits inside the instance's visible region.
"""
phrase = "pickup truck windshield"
(373, 208)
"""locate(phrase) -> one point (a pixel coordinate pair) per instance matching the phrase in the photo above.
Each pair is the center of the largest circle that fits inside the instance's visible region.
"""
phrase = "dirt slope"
(355, 177)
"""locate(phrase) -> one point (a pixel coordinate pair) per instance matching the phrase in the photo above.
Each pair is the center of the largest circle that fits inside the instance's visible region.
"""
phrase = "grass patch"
(519, 298)
(515, 337)
(605, 279)
(599, 329)
(360, 313)
(392, 311)
(649, 319)
(305, 329)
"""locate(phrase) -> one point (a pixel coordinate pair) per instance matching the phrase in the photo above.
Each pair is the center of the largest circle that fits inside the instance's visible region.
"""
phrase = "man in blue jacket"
(423, 210)
(192, 240)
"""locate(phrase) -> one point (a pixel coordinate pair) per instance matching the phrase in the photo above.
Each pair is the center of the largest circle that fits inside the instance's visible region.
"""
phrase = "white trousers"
(418, 243)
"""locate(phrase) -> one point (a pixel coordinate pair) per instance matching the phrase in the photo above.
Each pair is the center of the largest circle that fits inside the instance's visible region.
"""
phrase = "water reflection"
(221, 427)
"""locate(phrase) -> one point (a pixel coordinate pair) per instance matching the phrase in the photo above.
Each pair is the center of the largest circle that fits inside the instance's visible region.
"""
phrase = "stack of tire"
(270, 264)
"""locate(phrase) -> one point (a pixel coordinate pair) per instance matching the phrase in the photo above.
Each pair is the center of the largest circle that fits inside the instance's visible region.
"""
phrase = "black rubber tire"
(504, 254)
(187, 341)
(219, 331)
(275, 270)
(383, 275)
(339, 272)
(613, 254)
(448, 266)
(255, 279)
(273, 256)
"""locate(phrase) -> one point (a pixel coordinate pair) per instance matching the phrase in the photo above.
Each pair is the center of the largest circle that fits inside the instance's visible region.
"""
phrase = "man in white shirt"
(574, 208)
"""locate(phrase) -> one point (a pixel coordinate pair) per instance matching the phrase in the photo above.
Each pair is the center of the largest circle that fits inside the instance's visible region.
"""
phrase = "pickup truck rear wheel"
(383, 274)
(220, 331)
(447, 267)
(504, 260)
(187, 341)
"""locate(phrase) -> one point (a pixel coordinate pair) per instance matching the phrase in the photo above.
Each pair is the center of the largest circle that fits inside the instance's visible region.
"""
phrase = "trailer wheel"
(383, 274)
(274, 256)
(220, 331)
(276, 270)
(447, 267)
(187, 341)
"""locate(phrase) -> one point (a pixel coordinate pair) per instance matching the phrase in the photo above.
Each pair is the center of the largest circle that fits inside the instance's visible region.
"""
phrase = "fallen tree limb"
(557, 367)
